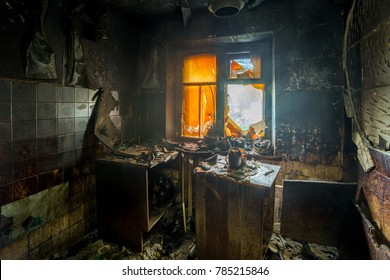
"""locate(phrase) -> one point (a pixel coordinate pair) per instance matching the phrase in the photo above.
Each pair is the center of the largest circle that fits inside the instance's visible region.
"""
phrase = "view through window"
(242, 91)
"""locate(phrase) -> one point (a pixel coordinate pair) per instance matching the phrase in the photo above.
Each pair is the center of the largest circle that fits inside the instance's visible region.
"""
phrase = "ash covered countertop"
(253, 172)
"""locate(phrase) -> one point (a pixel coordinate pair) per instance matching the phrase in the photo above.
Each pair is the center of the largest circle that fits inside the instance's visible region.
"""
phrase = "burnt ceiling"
(169, 7)
(154, 7)
(165, 7)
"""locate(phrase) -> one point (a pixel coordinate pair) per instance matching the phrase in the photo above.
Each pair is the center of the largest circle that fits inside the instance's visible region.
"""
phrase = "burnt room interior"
(194, 129)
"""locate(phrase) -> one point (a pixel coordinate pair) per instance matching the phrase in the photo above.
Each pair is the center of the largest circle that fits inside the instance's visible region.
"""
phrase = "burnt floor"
(160, 244)
(166, 241)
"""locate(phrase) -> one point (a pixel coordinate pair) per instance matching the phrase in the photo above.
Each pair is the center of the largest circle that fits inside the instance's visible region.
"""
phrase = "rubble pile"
(166, 241)
(284, 248)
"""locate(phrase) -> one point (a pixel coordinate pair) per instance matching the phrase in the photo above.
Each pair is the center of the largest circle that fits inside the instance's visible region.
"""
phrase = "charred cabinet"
(234, 218)
(126, 204)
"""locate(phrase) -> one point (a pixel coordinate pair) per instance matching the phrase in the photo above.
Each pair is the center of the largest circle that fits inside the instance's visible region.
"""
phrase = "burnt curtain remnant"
(105, 129)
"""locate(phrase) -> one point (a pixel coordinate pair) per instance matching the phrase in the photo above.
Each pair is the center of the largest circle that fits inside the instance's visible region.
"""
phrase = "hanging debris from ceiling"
(41, 62)
(73, 60)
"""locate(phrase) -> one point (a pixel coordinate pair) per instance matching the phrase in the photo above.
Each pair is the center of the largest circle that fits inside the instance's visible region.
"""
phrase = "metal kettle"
(235, 160)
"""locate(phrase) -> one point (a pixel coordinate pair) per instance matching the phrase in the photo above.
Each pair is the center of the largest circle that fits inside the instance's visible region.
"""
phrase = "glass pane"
(244, 109)
(191, 107)
(207, 108)
(198, 110)
(199, 69)
(245, 68)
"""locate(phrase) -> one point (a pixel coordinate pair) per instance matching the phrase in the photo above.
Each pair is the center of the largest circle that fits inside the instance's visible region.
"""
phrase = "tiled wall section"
(43, 144)
(42, 129)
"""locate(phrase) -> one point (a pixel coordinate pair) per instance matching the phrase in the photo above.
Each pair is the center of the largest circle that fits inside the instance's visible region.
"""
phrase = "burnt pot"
(235, 158)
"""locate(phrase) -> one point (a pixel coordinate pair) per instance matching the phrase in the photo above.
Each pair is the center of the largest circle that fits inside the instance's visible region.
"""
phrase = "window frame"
(223, 53)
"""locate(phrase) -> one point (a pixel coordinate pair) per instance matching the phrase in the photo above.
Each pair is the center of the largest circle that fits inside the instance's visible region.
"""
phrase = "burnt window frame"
(223, 52)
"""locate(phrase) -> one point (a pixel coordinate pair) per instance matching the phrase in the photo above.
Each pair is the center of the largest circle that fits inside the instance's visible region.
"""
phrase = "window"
(244, 107)
(244, 110)
(239, 79)
(199, 95)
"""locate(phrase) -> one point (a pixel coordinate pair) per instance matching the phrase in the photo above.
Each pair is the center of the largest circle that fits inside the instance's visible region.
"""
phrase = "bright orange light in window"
(199, 69)
(199, 95)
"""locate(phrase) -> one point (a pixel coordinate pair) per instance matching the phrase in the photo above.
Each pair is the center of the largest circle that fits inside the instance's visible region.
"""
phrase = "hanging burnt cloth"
(105, 130)
(40, 57)
(73, 56)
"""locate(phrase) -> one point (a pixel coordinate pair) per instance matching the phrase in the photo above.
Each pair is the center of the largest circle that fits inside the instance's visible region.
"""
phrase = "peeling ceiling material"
(144, 7)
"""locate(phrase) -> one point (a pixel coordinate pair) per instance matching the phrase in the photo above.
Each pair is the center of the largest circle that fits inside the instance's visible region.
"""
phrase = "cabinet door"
(121, 202)
(229, 218)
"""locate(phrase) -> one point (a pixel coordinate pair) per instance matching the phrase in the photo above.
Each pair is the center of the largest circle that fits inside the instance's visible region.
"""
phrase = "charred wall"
(307, 39)
(367, 71)
(47, 142)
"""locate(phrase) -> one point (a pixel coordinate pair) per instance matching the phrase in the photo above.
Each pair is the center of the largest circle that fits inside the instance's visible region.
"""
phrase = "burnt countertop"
(140, 155)
(253, 172)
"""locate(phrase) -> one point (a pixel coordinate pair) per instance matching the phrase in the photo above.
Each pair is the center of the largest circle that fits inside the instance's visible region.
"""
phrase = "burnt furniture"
(234, 211)
(124, 198)
(315, 211)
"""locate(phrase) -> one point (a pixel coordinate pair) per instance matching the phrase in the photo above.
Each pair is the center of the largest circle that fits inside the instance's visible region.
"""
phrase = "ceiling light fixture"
(225, 8)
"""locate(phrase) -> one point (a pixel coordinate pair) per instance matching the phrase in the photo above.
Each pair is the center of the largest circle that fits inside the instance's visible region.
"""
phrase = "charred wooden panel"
(374, 194)
(233, 220)
(313, 211)
(121, 203)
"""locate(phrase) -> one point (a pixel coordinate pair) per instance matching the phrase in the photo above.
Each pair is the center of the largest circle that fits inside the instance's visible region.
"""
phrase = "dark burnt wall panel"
(152, 116)
(313, 76)
(111, 61)
(310, 72)
(309, 129)
(18, 21)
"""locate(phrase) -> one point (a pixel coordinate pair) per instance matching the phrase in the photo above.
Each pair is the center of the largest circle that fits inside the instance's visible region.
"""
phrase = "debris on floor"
(284, 248)
(166, 241)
